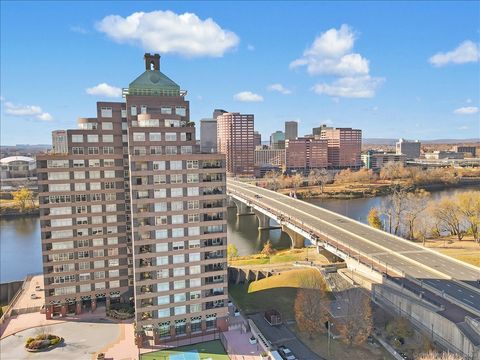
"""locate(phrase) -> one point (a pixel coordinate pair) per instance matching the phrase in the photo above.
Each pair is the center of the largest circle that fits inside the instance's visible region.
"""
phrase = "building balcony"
(145, 262)
(215, 267)
(145, 236)
(146, 289)
(213, 242)
(146, 303)
(145, 222)
(145, 276)
(212, 217)
(147, 315)
(214, 255)
(145, 249)
(214, 292)
(212, 178)
(213, 204)
(141, 181)
(212, 191)
(212, 165)
(214, 304)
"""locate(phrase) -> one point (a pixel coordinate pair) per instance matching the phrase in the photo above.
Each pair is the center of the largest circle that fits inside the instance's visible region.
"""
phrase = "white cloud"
(350, 87)
(248, 96)
(467, 110)
(464, 127)
(330, 54)
(250, 47)
(280, 88)
(27, 110)
(104, 90)
(78, 29)
(168, 32)
(466, 52)
(45, 117)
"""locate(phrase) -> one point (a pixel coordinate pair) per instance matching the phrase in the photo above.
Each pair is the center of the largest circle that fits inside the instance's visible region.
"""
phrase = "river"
(20, 247)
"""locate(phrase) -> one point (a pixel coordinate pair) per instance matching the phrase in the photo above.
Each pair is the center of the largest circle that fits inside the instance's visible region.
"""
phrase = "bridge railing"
(314, 235)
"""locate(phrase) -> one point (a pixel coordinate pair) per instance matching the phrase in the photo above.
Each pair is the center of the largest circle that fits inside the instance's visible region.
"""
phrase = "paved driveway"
(281, 335)
(82, 341)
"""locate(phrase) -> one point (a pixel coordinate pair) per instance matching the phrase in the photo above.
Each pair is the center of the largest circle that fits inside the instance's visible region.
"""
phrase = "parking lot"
(280, 335)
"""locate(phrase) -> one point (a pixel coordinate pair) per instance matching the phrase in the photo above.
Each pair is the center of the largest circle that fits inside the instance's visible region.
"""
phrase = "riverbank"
(288, 256)
(373, 189)
(9, 209)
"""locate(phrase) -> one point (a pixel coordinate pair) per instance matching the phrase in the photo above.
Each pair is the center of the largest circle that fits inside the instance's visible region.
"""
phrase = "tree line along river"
(20, 246)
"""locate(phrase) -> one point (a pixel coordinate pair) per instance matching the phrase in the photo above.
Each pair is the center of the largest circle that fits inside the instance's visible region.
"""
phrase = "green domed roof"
(153, 82)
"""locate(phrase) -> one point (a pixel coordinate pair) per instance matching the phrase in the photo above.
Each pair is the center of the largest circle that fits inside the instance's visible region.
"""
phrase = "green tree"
(232, 251)
(373, 219)
(23, 198)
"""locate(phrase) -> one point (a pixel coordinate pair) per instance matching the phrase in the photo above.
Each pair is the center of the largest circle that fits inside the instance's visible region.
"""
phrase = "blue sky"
(393, 69)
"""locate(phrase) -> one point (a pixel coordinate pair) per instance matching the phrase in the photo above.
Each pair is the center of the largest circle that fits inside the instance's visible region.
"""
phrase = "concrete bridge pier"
(298, 240)
(230, 202)
(264, 222)
(242, 208)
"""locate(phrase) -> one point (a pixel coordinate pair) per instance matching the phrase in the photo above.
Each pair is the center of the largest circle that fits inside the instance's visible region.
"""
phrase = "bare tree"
(449, 214)
(275, 178)
(469, 205)
(309, 313)
(394, 207)
(319, 177)
(357, 322)
(296, 181)
(415, 205)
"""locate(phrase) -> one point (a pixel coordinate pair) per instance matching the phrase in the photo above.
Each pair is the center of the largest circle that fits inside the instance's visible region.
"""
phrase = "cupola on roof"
(153, 81)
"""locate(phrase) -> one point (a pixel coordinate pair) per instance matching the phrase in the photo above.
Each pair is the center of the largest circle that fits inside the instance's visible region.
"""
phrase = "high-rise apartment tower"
(131, 211)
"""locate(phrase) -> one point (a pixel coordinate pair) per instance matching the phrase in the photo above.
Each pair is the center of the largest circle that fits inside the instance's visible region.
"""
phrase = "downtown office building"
(132, 212)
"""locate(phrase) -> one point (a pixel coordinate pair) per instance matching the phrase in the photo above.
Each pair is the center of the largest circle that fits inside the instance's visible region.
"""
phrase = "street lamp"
(329, 324)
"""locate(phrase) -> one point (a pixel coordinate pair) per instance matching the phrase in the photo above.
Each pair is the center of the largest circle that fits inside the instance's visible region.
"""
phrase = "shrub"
(29, 340)
(55, 341)
(42, 337)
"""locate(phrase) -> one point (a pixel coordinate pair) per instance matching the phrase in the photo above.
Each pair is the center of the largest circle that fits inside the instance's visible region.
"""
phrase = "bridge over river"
(348, 238)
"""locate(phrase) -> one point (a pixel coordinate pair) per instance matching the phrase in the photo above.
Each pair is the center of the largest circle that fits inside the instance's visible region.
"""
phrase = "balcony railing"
(213, 204)
(145, 249)
(212, 217)
(214, 191)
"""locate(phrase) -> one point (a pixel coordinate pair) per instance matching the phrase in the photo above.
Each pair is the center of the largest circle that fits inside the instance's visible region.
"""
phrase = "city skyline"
(338, 67)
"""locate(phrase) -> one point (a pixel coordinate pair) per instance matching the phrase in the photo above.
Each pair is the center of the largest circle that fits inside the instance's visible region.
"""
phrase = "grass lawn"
(281, 256)
(276, 292)
(292, 278)
(208, 350)
(466, 250)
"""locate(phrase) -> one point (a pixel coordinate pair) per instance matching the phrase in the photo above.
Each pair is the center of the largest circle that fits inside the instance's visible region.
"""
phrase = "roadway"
(433, 269)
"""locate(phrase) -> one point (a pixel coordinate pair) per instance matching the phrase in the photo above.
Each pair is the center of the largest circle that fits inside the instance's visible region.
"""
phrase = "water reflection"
(20, 248)
(244, 234)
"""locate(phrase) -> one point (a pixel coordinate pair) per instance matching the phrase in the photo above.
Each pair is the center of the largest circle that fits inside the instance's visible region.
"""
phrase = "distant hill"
(385, 141)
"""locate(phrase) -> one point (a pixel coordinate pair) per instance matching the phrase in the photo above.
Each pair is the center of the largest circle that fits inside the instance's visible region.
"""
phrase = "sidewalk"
(124, 347)
(32, 320)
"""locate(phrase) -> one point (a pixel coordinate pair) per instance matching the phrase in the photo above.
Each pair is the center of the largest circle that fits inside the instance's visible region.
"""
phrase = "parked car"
(257, 196)
(33, 296)
(38, 288)
(101, 356)
(286, 353)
